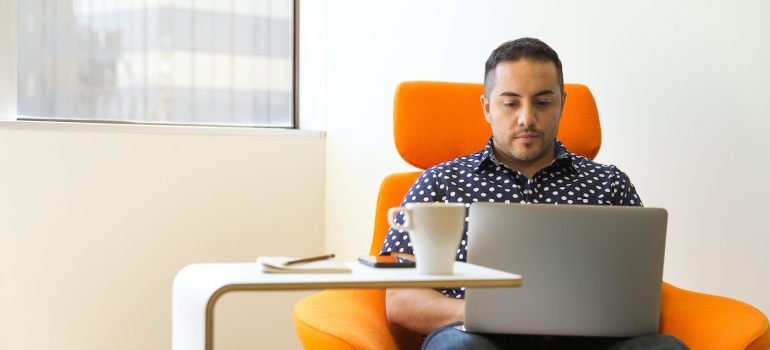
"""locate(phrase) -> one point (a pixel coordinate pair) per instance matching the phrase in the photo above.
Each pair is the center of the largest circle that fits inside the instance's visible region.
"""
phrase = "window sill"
(155, 129)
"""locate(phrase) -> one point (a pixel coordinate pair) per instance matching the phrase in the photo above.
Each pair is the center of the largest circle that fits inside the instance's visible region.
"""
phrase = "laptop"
(587, 270)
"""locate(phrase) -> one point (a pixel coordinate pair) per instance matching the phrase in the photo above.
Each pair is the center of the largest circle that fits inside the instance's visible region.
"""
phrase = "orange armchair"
(435, 122)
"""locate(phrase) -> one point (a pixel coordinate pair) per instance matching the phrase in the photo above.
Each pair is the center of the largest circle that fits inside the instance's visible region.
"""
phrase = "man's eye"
(544, 103)
(509, 104)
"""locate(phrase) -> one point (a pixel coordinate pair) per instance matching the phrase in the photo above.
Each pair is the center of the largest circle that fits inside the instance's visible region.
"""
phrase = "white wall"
(681, 92)
(95, 225)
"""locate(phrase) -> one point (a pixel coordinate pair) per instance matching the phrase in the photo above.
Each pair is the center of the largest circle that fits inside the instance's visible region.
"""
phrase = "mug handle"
(392, 212)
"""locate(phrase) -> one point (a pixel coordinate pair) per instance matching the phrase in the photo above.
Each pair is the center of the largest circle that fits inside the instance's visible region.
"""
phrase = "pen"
(315, 258)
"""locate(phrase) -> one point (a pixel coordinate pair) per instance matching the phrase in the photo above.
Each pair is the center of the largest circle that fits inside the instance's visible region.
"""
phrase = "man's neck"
(528, 169)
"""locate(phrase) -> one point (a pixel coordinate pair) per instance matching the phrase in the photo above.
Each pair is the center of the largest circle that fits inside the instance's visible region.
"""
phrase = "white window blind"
(188, 62)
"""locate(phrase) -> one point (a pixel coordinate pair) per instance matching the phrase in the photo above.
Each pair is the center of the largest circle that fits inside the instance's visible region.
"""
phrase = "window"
(189, 62)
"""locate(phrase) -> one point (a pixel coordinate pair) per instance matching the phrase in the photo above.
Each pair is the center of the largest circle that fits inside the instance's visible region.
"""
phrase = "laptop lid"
(587, 270)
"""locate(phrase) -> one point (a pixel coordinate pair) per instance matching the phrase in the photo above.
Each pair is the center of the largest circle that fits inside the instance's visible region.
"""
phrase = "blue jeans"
(448, 337)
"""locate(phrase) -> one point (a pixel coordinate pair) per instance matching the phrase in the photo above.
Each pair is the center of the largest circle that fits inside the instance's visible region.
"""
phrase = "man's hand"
(422, 310)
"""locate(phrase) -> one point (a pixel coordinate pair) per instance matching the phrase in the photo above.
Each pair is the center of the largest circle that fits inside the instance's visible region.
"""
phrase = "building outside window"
(189, 62)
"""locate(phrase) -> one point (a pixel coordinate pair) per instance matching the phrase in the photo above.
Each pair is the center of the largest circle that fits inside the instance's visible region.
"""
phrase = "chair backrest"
(434, 122)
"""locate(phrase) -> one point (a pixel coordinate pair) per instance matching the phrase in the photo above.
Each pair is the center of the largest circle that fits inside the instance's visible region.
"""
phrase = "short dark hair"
(515, 50)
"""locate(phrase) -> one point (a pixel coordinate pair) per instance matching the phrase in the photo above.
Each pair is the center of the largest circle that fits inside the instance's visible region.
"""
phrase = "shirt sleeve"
(623, 191)
(427, 188)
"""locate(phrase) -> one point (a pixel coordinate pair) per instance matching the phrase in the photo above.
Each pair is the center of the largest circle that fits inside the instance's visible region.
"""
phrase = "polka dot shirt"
(480, 177)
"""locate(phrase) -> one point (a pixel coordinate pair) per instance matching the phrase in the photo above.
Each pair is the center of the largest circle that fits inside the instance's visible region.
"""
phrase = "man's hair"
(529, 48)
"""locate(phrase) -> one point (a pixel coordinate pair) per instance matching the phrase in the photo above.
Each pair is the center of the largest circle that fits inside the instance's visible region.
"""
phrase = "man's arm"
(624, 192)
(422, 310)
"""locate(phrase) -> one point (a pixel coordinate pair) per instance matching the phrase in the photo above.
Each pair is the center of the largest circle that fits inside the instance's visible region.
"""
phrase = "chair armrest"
(705, 321)
(349, 319)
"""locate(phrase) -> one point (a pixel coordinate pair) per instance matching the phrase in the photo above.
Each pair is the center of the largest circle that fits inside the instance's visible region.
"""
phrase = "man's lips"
(526, 136)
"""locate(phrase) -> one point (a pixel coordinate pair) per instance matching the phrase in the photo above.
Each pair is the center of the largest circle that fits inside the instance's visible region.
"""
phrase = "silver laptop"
(586, 270)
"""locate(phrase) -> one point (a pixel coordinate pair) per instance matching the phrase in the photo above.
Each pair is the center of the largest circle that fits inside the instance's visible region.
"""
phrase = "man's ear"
(485, 107)
(563, 101)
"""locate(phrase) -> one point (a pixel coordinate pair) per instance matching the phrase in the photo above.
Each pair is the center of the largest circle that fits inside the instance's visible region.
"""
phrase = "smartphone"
(385, 261)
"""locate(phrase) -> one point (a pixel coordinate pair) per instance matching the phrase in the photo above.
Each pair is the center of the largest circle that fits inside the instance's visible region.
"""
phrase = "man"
(523, 102)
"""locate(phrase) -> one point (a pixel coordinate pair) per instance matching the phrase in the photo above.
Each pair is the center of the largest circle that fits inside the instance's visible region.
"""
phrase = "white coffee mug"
(435, 229)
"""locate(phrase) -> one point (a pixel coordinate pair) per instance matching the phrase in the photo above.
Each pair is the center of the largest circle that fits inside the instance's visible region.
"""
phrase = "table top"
(249, 276)
(197, 288)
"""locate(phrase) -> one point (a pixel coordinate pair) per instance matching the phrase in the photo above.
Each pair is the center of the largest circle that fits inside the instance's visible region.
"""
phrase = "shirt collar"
(563, 157)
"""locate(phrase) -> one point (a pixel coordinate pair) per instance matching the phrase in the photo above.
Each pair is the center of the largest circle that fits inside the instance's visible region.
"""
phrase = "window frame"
(133, 125)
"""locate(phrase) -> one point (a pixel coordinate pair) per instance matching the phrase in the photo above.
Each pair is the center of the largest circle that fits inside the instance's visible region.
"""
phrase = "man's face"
(524, 108)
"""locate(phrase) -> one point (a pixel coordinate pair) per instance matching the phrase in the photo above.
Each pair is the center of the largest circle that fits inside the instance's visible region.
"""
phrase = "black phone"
(385, 261)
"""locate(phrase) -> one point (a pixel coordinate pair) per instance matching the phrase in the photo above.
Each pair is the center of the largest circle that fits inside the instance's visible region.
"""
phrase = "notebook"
(586, 270)
(275, 264)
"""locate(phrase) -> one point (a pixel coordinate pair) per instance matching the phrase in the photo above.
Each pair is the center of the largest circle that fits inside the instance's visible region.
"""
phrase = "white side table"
(198, 286)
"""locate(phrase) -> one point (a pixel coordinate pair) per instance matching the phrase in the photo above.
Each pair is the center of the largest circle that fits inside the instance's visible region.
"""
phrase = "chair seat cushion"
(349, 319)
(704, 321)
(355, 319)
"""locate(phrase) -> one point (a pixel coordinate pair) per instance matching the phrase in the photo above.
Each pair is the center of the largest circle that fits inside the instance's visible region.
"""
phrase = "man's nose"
(526, 115)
